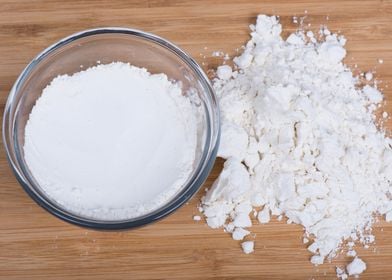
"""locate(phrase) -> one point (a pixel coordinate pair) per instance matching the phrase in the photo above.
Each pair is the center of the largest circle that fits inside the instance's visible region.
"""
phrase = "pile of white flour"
(299, 140)
(111, 142)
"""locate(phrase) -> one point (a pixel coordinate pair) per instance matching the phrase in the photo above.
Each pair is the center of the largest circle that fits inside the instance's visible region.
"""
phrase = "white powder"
(217, 53)
(248, 247)
(111, 142)
(351, 253)
(197, 218)
(341, 273)
(299, 139)
(240, 233)
(357, 266)
(369, 76)
(224, 72)
(264, 216)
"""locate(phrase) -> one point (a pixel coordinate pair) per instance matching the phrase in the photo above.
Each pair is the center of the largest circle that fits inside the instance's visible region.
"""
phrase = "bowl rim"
(194, 184)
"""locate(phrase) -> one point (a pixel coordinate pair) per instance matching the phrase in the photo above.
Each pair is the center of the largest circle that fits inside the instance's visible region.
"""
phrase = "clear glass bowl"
(105, 45)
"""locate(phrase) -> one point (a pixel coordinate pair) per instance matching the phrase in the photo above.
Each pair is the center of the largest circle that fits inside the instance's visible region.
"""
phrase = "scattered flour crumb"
(374, 96)
(264, 216)
(224, 72)
(248, 246)
(351, 253)
(369, 76)
(341, 273)
(239, 233)
(196, 218)
(317, 260)
(217, 53)
(356, 267)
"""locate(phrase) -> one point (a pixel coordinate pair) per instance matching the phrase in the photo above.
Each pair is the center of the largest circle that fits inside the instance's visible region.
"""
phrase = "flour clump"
(300, 140)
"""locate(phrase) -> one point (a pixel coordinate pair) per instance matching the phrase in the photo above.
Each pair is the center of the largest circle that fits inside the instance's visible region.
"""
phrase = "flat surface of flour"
(111, 142)
(299, 140)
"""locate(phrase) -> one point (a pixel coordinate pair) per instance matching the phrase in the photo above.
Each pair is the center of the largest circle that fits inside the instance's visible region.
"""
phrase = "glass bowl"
(105, 45)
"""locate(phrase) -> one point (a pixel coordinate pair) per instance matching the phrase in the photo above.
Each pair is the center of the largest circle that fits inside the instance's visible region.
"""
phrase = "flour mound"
(300, 140)
(94, 138)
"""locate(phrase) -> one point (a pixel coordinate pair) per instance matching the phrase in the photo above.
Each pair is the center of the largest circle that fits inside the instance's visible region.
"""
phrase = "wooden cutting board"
(36, 245)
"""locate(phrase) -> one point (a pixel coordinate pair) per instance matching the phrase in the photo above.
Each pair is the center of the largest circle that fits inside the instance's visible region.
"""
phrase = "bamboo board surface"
(36, 245)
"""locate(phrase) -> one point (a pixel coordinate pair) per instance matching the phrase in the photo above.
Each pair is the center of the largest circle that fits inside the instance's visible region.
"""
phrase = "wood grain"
(35, 245)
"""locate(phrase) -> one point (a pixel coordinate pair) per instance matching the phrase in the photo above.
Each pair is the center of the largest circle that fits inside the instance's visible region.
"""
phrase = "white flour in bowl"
(111, 142)
(299, 140)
